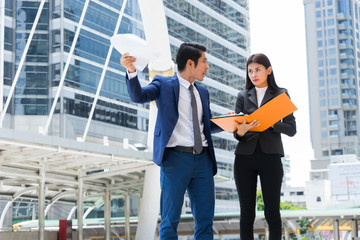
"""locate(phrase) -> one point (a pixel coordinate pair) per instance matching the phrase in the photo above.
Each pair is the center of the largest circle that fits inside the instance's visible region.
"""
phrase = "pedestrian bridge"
(323, 224)
(52, 169)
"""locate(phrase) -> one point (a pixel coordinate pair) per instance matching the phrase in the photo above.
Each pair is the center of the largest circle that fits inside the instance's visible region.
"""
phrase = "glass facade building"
(333, 43)
(222, 26)
(333, 62)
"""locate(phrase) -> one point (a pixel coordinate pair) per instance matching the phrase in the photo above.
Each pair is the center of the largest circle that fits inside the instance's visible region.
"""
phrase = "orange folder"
(267, 115)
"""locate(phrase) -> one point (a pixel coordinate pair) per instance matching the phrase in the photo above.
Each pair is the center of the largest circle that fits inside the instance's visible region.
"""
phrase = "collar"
(263, 89)
(183, 82)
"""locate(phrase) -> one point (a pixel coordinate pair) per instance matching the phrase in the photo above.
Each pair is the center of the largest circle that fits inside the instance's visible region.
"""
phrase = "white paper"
(136, 47)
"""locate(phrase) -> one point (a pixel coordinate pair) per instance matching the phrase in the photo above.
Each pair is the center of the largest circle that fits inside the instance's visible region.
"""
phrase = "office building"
(333, 51)
(332, 29)
(222, 26)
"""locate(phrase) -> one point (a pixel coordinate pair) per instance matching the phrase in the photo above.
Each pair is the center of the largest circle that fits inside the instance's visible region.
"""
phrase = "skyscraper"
(222, 26)
(333, 51)
(332, 29)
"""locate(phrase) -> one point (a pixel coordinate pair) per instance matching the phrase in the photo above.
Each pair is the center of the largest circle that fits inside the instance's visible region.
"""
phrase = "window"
(330, 12)
(348, 91)
(318, 24)
(347, 61)
(334, 91)
(331, 32)
(344, 7)
(323, 124)
(320, 43)
(337, 152)
(329, 2)
(332, 51)
(348, 71)
(350, 133)
(356, 12)
(323, 114)
(334, 102)
(330, 22)
(333, 81)
(348, 81)
(322, 102)
(322, 93)
(324, 134)
(319, 34)
(333, 112)
(350, 114)
(346, 22)
(320, 53)
(321, 73)
(334, 133)
(333, 123)
(350, 125)
(346, 32)
(332, 61)
(333, 71)
(321, 63)
(331, 42)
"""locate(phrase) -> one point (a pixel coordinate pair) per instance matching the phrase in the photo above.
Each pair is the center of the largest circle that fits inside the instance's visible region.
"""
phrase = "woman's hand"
(242, 128)
(127, 62)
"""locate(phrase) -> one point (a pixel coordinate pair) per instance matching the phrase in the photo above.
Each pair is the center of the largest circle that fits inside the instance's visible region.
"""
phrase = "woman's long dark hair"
(263, 60)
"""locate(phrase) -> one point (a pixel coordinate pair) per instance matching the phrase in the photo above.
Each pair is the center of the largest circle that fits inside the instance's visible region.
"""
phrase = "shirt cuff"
(131, 75)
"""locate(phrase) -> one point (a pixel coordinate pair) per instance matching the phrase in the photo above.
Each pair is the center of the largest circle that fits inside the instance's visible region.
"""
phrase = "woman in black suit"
(259, 153)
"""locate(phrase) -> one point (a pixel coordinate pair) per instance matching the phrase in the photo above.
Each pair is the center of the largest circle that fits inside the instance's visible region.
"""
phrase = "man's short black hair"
(188, 50)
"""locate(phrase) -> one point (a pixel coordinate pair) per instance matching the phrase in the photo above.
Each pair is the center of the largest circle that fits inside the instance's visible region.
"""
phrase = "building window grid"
(345, 32)
(99, 112)
(203, 19)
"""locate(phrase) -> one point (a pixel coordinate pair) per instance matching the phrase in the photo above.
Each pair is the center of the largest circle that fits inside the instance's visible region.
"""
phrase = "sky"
(277, 29)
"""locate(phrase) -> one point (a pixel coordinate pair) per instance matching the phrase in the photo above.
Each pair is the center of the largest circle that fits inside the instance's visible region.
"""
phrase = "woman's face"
(258, 74)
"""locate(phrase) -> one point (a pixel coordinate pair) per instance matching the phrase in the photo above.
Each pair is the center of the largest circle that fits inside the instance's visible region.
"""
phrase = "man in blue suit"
(183, 146)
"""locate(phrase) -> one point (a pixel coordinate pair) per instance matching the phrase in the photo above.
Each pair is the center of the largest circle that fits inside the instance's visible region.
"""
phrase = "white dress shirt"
(183, 134)
(260, 93)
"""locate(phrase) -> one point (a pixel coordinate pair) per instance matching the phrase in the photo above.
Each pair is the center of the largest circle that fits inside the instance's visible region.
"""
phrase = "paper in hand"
(136, 47)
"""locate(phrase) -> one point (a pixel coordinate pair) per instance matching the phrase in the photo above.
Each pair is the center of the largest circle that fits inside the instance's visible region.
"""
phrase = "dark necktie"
(197, 136)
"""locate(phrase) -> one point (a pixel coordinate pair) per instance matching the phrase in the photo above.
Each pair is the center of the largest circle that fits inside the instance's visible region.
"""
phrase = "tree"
(287, 205)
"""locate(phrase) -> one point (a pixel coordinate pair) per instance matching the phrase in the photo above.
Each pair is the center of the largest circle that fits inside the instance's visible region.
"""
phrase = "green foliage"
(303, 225)
(259, 201)
(287, 205)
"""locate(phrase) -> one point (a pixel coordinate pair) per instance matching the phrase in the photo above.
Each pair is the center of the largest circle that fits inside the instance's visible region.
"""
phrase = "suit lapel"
(252, 96)
(176, 88)
(269, 94)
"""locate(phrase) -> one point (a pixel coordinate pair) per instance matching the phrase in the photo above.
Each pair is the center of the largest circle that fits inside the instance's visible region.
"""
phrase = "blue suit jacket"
(165, 92)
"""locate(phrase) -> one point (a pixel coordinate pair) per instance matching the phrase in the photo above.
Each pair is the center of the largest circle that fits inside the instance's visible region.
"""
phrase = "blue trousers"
(193, 173)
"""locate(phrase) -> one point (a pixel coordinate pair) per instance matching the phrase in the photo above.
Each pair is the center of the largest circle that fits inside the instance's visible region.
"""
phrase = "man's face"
(201, 68)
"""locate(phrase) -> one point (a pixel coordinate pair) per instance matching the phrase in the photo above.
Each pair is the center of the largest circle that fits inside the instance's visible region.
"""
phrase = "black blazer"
(270, 139)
